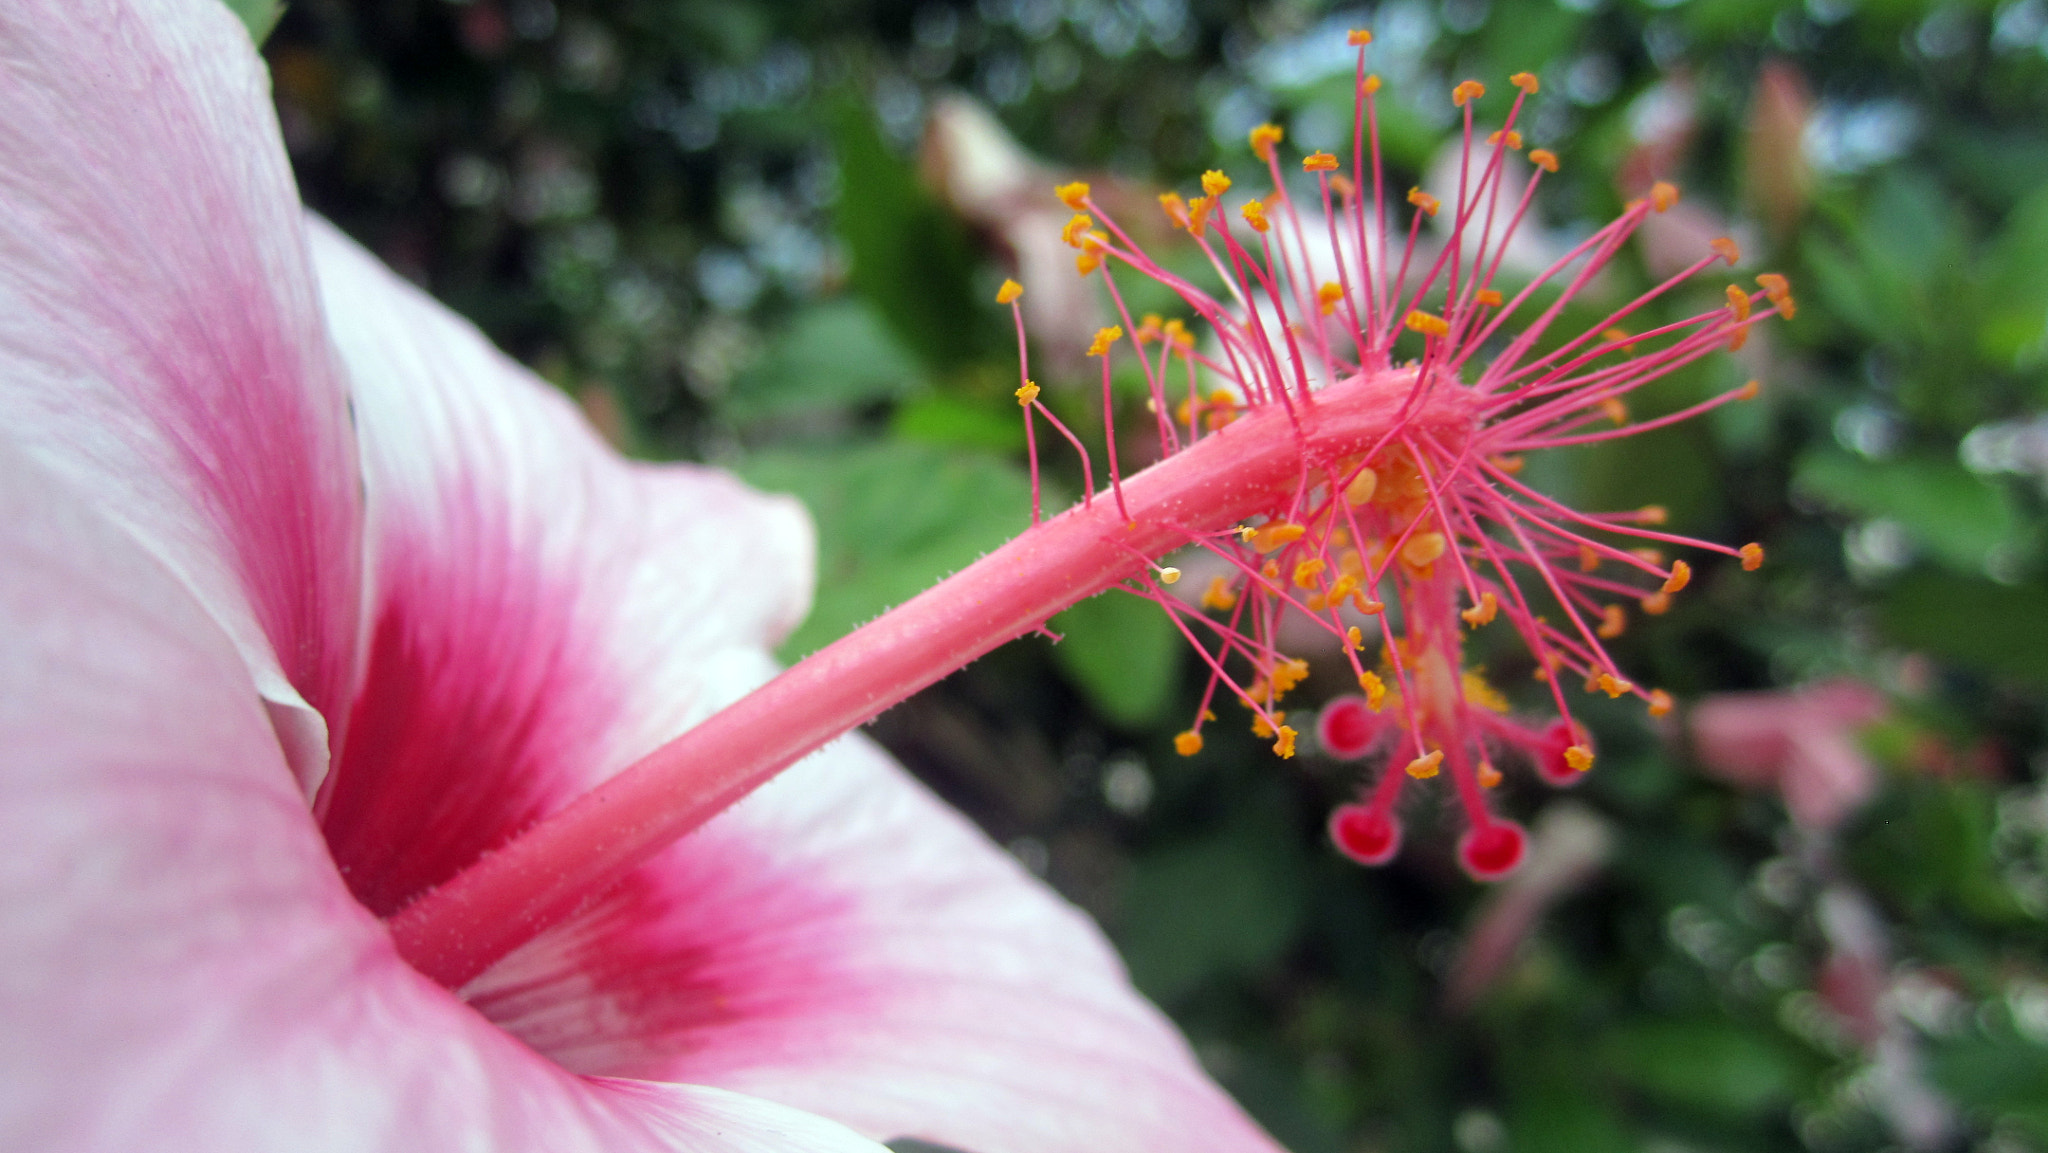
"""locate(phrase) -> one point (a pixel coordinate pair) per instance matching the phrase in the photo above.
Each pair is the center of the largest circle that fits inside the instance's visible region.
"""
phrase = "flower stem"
(507, 897)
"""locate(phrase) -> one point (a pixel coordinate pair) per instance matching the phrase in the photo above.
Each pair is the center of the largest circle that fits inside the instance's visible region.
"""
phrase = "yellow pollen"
(1778, 291)
(1479, 693)
(1176, 209)
(1424, 548)
(1268, 727)
(1579, 757)
(1198, 214)
(1367, 605)
(1074, 196)
(1466, 92)
(1104, 338)
(1288, 674)
(1681, 575)
(1177, 334)
(1483, 612)
(1749, 391)
(1245, 532)
(1169, 575)
(1087, 262)
(1619, 336)
(1726, 248)
(1342, 186)
(1423, 768)
(1650, 556)
(1487, 297)
(1513, 138)
(1255, 215)
(1219, 595)
(1187, 744)
(1511, 465)
(1613, 686)
(1428, 325)
(1374, 688)
(1342, 587)
(1319, 162)
(1354, 638)
(1263, 138)
(1026, 393)
(1276, 534)
(1358, 38)
(1589, 561)
(1656, 604)
(1361, 487)
(1423, 200)
(1270, 570)
(1663, 195)
(1526, 81)
(1752, 555)
(1615, 410)
(1284, 746)
(1076, 230)
(1214, 183)
(1328, 295)
(1148, 329)
(1652, 514)
(1613, 621)
(1372, 83)
(1543, 158)
(1010, 291)
(1308, 574)
(1489, 777)
(1660, 702)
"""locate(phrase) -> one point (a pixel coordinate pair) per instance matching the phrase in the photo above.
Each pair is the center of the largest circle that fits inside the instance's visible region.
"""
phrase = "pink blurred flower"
(1800, 742)
(313, 598)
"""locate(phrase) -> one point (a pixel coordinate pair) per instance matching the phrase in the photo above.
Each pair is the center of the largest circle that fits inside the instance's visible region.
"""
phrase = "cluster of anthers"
(1399, 479)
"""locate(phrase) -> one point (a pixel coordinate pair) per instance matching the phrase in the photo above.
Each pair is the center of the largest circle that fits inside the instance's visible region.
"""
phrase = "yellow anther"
(1351, 563)
(1342, 186)
(1358, 37)
(1656, 604)
(1187, 744)
(1361, 487)
(1589, 559)
(1308, 574)
(1681, 575)
(1372, 83)
(1268, 726)
(1270, 570)
(1526, 81)
(1104, 337)
(1367, 605)
(1148, 329)
(1660, 702)
(1354, 638)
(1649, 556)
(1328, 295)
(1423, 200)
(1483, 612)
(1219, 595)
(1074, 196)
(1246, 532)
(1198, 214)
(1752, 555)
(1423, 768)
(1342, 587)
(1613, 686)
(1663, 195)
(1738, 301)
(1319, 162)
(1489, 777)
(1255, 215)
(1424, 548)
(1087, 262)
(1026, 393)
(1726, 248)
(1076, 230)
(1010, 291)
(1513, 138)
(1374, 688)
(1512, 465)
(1749, 391)
(1652, 514)
(1778, 291)
(1478, 692)
(1619, 336)
(1275, 534)
(1428, 325)
(1263, 138)
(1286, 675)
(1169, 575)
(1579, 757)
(1177, 334)
(1284, 744)
(1487, 297)
(1543, 158)
(1467, 91)
(1214, 183)
(1614, 409)
(1176, 209)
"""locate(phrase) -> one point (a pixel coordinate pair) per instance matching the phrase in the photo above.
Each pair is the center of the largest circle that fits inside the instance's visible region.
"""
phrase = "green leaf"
(1994, 628)
(2014, 325)
(260, 17)
(1123, 652)
(1954, 514)
(950, 420)
(838, 354)
(1708, 1064)
(1225, 905)
(892, 519)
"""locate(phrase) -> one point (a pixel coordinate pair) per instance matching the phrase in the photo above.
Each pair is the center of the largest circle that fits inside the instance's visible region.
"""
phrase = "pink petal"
(160, 345)
(840, 941)
(185, 970)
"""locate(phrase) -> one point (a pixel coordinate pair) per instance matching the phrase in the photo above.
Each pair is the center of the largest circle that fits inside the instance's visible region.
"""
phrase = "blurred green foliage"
(707, 221)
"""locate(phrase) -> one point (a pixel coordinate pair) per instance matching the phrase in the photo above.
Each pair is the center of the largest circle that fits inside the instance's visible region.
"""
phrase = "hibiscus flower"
(312, 598)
